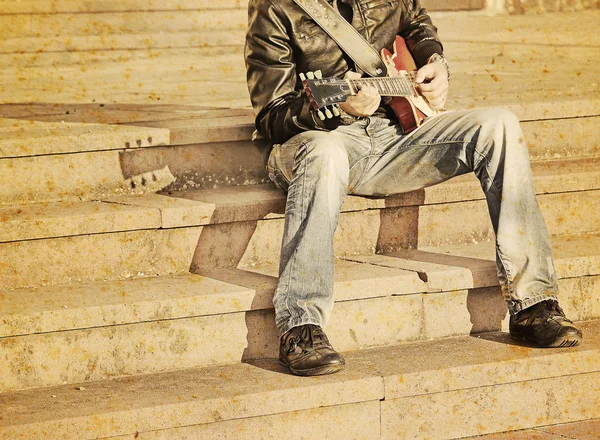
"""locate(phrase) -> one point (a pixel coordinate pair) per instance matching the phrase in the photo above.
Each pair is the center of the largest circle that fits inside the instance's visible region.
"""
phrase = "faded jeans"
(372, 157)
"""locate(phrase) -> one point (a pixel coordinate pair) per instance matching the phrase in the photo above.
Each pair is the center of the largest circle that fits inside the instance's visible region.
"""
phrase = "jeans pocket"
(276, 175)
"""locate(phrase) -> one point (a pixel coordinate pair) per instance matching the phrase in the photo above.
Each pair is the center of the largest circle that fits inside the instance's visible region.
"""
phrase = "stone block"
(446, 314)
(97, 257)
(360, 280)
(32, 138)
(584, 430)
(560, 138)
(40, 360)
(343, 422)
(174, 212)
(46, 220)
(176, 400)
(84, 306)
(491, 409)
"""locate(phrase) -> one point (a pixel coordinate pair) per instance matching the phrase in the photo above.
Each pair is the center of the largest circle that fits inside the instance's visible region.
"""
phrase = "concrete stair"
(421, 390)
(139, 242)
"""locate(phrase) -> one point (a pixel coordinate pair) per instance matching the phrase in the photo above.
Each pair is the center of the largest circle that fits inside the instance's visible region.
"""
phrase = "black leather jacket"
(283, 41)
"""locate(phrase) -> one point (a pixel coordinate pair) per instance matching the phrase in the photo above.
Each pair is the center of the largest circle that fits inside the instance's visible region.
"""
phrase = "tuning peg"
(302, 77)
(318, 74)
(310, 75)
(336, 110)
(328, 113)
(320, 115)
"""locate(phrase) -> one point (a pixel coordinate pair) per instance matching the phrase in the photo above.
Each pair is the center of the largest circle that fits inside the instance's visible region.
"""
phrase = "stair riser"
(93, 175)
(484, 410)
(97, 257)
(426, 226)
(243, 162)
(81, 176)
(360, 421)
(151, 252)
(206, 42)
(48, 25)
(560, 138)
(97, 353)
(201, 166)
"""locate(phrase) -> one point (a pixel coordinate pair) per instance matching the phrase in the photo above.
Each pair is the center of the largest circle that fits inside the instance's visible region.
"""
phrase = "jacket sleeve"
(419, 32)
(281, 110)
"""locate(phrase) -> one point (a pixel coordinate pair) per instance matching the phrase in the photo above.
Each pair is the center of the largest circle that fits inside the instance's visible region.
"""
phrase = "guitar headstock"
(325, 93)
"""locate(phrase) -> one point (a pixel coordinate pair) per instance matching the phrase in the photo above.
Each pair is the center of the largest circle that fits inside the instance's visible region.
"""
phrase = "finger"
(435, 84)
(434, 94)
(352, 75)
(425, 73)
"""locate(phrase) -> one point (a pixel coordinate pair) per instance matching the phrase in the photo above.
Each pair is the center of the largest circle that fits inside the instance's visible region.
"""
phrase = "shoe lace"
(551, 310)
(318, 337)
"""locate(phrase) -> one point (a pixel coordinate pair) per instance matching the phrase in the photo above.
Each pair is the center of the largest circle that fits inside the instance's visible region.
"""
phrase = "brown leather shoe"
(306, 351)
(545, 324)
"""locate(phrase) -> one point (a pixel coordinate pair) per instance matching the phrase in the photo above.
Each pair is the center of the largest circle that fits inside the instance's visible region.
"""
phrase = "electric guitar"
(408, 105)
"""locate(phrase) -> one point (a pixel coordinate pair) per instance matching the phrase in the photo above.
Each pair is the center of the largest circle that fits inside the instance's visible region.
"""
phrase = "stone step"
(498, 62)
(41, 161)
(85, 332)
(84, 23)
(400, 221)
(102, 6)
(81, 161)
(482, 384)
(206, 41)
(241, 227)
(584, 430)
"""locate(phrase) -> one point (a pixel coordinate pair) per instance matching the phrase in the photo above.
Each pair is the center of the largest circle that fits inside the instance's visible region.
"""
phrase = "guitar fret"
(388, 86)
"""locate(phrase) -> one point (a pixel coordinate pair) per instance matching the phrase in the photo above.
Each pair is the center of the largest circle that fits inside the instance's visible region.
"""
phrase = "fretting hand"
(365, 102)
(432, 81)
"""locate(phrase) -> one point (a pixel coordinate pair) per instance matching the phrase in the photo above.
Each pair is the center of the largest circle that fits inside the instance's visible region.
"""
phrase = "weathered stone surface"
(174, 212)
(81, 306)
(49, 359)
(44, 220)
(492, 409)
(559, 138)
(511, 75)
(468, 371)
(179, 399)
(585, 430)
(97, 257)
(574, 256)
(127, 22)
(343, 422)
(565, 214)
(444, 314)
(70, 177)
(354, 280)
(31, 138)
(438, 270)
(66, 6)
(447, 365)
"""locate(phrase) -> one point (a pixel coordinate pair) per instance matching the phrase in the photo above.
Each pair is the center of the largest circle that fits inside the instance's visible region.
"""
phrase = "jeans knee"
(324, 154)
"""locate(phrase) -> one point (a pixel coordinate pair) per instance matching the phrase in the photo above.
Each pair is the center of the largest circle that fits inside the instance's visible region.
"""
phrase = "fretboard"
(386, 86)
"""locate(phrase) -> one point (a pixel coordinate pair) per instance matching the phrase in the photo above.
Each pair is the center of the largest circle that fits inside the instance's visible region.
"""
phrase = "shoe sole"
(317, 371)
(562, 342)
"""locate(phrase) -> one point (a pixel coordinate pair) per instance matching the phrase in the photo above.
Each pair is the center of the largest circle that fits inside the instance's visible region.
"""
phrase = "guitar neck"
(386, 86)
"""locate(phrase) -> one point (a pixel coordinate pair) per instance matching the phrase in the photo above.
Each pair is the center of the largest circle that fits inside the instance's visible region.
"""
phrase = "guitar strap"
(345, 35)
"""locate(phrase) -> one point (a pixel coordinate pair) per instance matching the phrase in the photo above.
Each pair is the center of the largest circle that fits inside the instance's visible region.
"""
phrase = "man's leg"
(490, 143)
(317, 167)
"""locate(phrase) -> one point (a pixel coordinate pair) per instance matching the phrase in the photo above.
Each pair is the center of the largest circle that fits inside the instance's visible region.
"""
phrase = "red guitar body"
(411, 111)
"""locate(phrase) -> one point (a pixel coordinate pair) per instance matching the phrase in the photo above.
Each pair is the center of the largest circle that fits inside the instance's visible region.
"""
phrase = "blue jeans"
(372, 157)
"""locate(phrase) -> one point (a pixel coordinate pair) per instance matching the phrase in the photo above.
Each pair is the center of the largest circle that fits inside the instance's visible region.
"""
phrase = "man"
(364, 151)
